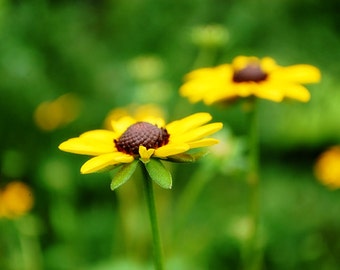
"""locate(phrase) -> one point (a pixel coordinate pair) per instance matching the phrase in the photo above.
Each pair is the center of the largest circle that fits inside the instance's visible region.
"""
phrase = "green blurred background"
(111, 54)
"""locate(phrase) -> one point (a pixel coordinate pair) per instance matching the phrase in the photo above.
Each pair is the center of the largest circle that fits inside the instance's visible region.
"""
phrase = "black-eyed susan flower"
(131, 142)
(16, 199)
(327, 167)
(249, 76)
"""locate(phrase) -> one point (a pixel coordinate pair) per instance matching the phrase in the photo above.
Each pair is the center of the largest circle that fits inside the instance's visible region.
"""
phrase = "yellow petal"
(101, 135)
(241, 61)
(197, 133)
(156, 121)
(278, 91)
(245, 89)
(103, 161)
(197, 90)
(270, 91)
(145, 154)
(229, 91)
(203, 143)
(297, 73)
(121, 125)
(171, 149)
(199, 73)
(201, 83)
(86, 147)
(187, 123)
(298, 92)
(268, 64)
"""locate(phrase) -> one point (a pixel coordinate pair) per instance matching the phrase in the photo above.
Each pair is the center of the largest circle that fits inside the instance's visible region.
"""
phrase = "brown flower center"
(141, 134)
(251, 73)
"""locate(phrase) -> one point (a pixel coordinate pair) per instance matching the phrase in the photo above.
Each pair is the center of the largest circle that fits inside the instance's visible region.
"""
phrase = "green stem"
(157, 245)
(205, 57)
(30, 247)
(252, 255)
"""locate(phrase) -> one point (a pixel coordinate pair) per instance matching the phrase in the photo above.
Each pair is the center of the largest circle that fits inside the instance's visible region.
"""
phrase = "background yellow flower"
(249, 76)
(148, 112)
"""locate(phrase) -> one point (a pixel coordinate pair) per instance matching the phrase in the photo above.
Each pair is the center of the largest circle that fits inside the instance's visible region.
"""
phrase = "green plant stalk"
(127, 198)
(252, 252)
(205, 57)
(30, 247)
(157, 244)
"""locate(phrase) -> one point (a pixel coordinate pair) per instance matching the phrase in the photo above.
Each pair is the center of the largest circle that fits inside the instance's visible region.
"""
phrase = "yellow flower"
(327, 167)
(249, 76)
(16, 199)
(130, 139)
(147, 112)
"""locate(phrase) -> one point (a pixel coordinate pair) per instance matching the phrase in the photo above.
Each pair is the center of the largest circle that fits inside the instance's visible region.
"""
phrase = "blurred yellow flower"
(16, 199)
(147, 112)
(249, 76)
(51, 115)
(327, 167)
(131, 139)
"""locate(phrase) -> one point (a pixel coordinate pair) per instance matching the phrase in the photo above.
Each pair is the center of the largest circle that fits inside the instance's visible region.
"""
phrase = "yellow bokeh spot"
(16, 199)
(51, 115)
(327, 167)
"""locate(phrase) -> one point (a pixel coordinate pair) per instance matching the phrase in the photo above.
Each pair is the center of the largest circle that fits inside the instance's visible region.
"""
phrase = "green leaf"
(123, 173)
(159, 173)
(186, 158)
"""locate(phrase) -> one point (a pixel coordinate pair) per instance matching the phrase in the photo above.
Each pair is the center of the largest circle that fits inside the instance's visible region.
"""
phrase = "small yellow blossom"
(16, 199)
(249, 76)
(327, 167)
(130, 139)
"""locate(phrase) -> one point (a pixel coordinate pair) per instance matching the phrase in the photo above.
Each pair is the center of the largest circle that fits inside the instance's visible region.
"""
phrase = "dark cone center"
(141, 133)
(251, 73)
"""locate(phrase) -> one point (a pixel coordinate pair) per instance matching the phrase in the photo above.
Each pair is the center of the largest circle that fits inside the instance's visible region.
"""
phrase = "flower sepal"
(122, 173)
(158, 173)
(186, 157)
